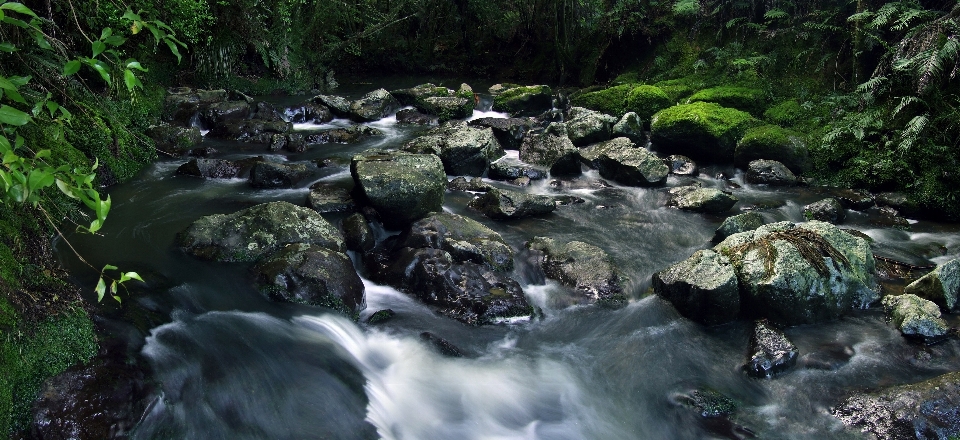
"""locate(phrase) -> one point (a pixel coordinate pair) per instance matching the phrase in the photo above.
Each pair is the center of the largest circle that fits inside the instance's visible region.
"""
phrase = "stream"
(231, 364)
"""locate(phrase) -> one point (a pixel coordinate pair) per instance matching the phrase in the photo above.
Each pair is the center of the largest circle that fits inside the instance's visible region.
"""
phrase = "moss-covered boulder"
(326, 197)
(801, 273)
(941, 286)
(402, 187)
(342, 135)
(610, 101)
(174, 140)
(736, 224)
(701, 130)
(338, 105)
(551, 149)
(464, 150)
(442, 102)
(585, 126)
(249, 234)
(677, 89)
(916, 317)
(621, 161)
(524, 101)
(646, 100)
(788, 113)
(374, 106)
(774, 143)
(311, 274)
(502, 204)
(703, 288)
(357, 233)
(582, 266)
(464, 238)
(697, 199)
(750, 100)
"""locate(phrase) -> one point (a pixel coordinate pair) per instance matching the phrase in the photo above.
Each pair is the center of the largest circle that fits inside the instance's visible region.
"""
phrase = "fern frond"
(860, 16)
(871, 85)
(775, 14)
(911, 133)
(932, 66)
(904, 102)
(883, 15)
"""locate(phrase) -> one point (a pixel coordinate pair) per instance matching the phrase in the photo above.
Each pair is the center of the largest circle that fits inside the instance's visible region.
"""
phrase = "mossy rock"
(774, 143)
(788, 113)
(610, 101)
(524, 101)
(747, 99)
(646, 100)
(677, 89)
(626, 78)
(700, 130)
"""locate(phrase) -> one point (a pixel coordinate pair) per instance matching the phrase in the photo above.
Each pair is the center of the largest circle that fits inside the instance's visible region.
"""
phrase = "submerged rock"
(464, 238)
(770, 172)
(506, 169)
(916, 317)
(311, 274)
(254, 232)
(736, 224)
(941, 286)
(697, 199)
(502, 204)
(585, 267)
(681, 165)
(402, 187)
(464, 150)
(925, 410)
(771, 353)
(413, 117)
(443, 346)
(703, 288)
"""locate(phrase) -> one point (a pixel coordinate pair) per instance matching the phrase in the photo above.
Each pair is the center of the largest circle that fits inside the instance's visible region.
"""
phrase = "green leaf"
(52, 107)
(107, 267)
(20, 81)
(41, 40)
(102, 69)
(71, 67)
(14, 95)
(98, 48)
(39, 179)
(5, 84)
(131, 80)
(173, 49)
(7, 47)
(101, 289)
(16, 22)
(106, 32)
(12, 116)
(117, 298)
(129, 15)
(113, 288)
(126, 276)
(18, 7)
(115, 40)
(134, 64)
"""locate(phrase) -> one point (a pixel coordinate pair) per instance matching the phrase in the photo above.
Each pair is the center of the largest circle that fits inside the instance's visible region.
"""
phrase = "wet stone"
(381, 316)
(771, 353)
(325, 198)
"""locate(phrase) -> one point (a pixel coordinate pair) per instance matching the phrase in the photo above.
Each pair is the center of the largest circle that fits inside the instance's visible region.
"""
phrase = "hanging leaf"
(71, 67)
(173, 48)
(18, 7)
(7, 47)
(98, 48)
(12, 116)
(131, 80)
(101, 289)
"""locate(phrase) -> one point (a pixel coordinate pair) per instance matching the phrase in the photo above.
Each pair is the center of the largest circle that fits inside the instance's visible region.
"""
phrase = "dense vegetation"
(870, 86)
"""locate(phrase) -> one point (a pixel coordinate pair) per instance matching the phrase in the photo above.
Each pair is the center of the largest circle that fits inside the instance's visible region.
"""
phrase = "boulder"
(338, 105)
(510, 169)
(585, 127)
(260, 230)
(827, 210)
(773, 143)
(925, 410)
(217, 113)
(610, 100)
(374, 106)
(941, 286)
(621, 161)
(697, 199)
(703, 288)
(443, 346)
(582, 266)
(401, 187)
(267, 175)
(646, 100)
(701, 130)
(357, 233)
(681, 165)
(736, 224)
(414, 96)
(801, 273)
(413, 117)
(855, 199)
(311, 274)
(214, 168)
(174, 140)
(346, 135)
(771, 352)
(770, 172)
(524, 101)
(464, 238)
(915, 317)
(630, 126)
(747, 99)
(249, 130)
(326, 197)
(502, 204)
(899, 201)
(464, 150)
(508, 131)
(475, 184)
(553, 149)
(449, 107)
(311, 112)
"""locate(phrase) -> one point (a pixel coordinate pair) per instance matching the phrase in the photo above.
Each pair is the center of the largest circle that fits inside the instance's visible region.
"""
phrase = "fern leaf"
(904, 102)
(910, 134)
(860, 16)
(775, 14)
(872, 85)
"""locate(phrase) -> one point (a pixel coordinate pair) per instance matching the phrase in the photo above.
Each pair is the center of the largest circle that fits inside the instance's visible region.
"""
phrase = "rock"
(475, 184)
(217, 113)
(710, 403)
(501, 204)
(174, 140)
(402, 187)
(497, 89)
(701, 130)
(325, 198)
(771, 353)
(621, 161)
(449, 107)
(855, 199)
(551, 149)
(464, 238)
(249, 130)
(925, 410)
(941, 286)
(464, 150)
(916, 317)
(742, 98)
(697, 199)
(278, 142)
(357, 233)
(296, 142)
(277, 175)
(414, 96)
(413, 117)
(827, 210)
(467, 292)
(508, 131)
(211, 168)
(646, 100)
(351, 134)
(630, 126)
(736, 224)
(682, 165)
(899, 201)
(587, 127)
(254, 232)
(312, 274)
(442, 346)
(703, 288)
(338, 105)
(524, 101)
(772, 142)
(509, 169)
(585, 267)
(374, 106)
(770, 172)
(610, 100)
(801, 273)
(381, 316)
(265, 111)
(311, 112)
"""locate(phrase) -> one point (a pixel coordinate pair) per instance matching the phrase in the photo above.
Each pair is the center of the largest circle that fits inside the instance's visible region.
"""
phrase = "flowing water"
(231, 364)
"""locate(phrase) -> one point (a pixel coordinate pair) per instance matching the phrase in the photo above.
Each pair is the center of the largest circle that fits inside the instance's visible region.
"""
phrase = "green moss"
(787, 113)
(741, 98)
(28, 356)
(627, 78)
(680, 88)
(701, 129)
(517, 92)
(610, 101)
(646, 100)
(775, 143)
